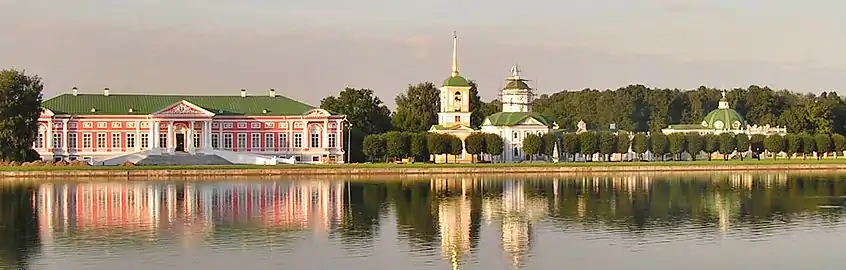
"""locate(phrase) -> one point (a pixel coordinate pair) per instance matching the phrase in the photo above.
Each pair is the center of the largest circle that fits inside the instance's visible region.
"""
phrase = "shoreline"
(388, 170)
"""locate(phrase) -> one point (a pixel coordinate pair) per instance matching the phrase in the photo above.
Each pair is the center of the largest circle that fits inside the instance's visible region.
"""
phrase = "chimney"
(243, 92)
(272, 92)
(75, 91)
(106, 91)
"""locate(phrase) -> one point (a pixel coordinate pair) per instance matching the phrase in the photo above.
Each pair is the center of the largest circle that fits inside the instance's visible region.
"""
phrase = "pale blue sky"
(309, 49)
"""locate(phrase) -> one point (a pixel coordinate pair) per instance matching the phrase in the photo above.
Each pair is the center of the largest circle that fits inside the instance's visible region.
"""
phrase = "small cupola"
(243, 92)
(93, 110)
(106, 91)
(272, 92)
(130, 109)
(75, 91)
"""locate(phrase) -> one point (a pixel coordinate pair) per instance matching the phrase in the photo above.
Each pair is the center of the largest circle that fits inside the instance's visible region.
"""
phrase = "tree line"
(422, 145)
(20, 107)
(634, 108)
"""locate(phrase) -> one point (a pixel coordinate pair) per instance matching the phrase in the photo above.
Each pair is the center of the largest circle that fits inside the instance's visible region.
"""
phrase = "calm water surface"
(637, 221)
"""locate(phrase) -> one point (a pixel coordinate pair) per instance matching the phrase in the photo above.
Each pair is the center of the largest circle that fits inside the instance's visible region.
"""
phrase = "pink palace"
(108, 129)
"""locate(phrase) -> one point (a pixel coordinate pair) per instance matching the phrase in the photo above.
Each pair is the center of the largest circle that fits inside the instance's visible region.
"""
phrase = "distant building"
(247, 129)
(724, 119)
(454, 115)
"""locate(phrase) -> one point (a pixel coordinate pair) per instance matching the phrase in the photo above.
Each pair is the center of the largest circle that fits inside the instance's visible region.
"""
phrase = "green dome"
(517, 84)
(456, 81)
(724, 119)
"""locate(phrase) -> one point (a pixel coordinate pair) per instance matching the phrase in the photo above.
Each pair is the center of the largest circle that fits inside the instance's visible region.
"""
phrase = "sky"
(308, 50)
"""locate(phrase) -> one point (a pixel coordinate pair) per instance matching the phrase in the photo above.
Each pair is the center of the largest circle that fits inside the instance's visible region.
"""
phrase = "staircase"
(180, 158)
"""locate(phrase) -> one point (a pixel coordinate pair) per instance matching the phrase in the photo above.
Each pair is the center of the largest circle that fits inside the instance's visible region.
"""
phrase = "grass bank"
(423, 168)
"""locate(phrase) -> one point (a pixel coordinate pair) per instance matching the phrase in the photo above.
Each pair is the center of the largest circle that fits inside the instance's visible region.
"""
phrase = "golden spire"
(454, 54)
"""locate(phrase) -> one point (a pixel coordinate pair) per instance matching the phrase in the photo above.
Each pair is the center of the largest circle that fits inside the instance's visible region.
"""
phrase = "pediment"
(317, 112)
(529, 121)
(183, 108)
(46, 112)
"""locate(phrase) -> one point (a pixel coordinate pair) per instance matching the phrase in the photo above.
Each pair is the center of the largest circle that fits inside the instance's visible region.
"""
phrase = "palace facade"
(111, 129)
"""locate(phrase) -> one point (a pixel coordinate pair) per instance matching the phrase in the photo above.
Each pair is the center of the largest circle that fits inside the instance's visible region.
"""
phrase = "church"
(513, 124)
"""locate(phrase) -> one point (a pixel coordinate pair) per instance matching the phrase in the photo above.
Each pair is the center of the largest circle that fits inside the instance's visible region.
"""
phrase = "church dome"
(456, 81)
(517, 85)
(724, 118)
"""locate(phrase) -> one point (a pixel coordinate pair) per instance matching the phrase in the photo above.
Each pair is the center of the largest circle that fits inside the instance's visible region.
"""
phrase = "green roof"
(147, 104)
(517, 84)
(723, 118)
(685, 127)
(456, 81)
(514, 118)
(450, 126)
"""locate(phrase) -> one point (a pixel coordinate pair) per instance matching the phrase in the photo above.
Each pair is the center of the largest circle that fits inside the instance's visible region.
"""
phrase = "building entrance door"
(180, 142)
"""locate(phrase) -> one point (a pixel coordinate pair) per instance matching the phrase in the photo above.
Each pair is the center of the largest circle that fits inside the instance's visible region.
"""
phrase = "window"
(315, 139)
(162, 140)
(130, 140)
(227, 141)
(39, 140)
(315, 158)
(196, 139)
(215, 138)
(298, 140)
(86, 140)
(333, 141)
(283, 140)
(101, 140)
(515, 134)
(242, 141)
(145, 140)
(255, 142)
(57, 140)
(72, 140)
(115, 140)
(268, 141)
(516, 152)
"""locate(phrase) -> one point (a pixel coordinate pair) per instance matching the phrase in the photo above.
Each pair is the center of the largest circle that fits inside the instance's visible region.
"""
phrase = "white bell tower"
(455, 94)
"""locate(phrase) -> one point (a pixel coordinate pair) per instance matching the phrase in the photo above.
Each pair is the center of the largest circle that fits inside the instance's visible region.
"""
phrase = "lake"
(612, 221)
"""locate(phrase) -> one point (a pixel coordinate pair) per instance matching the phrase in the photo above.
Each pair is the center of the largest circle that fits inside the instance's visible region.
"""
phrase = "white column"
(324, 143)
(169, 142)
(191, 138)
(153, 139)
(65, 135)
(137, 135)
(49, 136)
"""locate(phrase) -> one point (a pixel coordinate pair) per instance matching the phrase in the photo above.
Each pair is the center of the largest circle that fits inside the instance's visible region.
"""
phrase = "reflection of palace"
(147, 207)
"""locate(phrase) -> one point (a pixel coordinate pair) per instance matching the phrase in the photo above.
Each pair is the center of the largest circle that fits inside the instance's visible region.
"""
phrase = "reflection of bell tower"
(455, 94)
(454, 226)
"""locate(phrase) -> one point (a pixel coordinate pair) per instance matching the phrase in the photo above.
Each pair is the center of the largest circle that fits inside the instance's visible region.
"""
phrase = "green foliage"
(659, 144)
(775, 144)
(742, 144)
(677, 144)
(809, 145)
(456, 145)
(366, 113)
(640, 143)
(397, 144)
(607, 143)
(417, 108)
(475, 143)
(712, 144)
(418, 147)
(728, 144)
(839, 142)
(493, 144)
(695, 144)
(823, 143)
(571, 144)
(623, 142)
(438, 144)
(548, 141)
(793, 145)
(588, 143)
(532, 145)
(476, 115)
(20, 106)
(374, 146)
(756, 142)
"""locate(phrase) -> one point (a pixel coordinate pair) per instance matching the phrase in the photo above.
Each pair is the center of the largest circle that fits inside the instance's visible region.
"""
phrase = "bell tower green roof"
(456, 81)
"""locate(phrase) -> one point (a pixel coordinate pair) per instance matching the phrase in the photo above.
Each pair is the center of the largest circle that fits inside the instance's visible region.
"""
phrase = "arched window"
(314, 138)
(457, 103)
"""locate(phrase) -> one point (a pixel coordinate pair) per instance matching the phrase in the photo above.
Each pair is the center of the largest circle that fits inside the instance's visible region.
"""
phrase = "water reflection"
(452, 222)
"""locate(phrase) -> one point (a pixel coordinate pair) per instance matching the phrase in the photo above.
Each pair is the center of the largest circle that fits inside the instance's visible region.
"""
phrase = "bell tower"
(455, 94)
(516, 96)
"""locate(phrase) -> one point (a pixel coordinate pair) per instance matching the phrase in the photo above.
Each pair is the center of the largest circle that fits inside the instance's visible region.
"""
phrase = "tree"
(809, 145)
(793, 145)
(775, 144)
(742, 144)
(532, 145)
(570, 144)
(695, 144)
(677, 144)
(728, 144)
(475, 143)
(823, 143)
(374, 146)
(364, 111)
(588, 144)
(476, 108)
(640, 144)
(607, 144)
(624, 143)
(397, 144)
(839, 142)
(660, 144)
(417, 108)
(20, 107)
(493, 144)
(712, 144)
(756, 142)
(417, 146)
(549, 142)
(456, 145)
(438, 144)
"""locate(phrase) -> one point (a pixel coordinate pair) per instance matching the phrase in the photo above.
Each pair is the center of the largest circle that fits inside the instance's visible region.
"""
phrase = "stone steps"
(183, 159)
